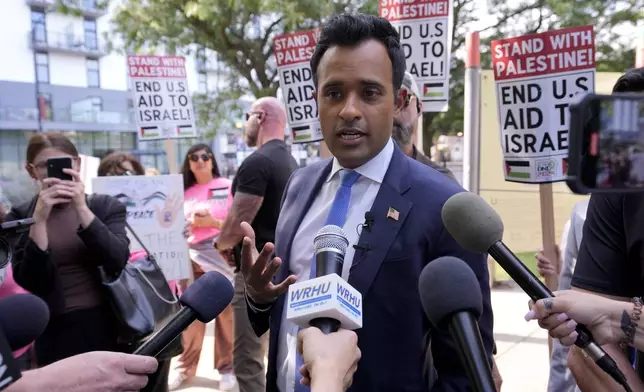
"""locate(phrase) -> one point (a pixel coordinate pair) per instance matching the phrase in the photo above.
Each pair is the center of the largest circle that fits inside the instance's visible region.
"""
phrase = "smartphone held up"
(55, 168)
(606, 150)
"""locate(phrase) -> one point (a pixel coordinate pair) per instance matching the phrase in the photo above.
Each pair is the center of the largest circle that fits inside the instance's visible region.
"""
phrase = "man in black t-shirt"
(611, 263)
(257, 194)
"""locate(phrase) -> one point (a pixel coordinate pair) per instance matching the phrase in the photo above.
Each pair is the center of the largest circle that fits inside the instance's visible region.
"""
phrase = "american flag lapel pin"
(393, 213)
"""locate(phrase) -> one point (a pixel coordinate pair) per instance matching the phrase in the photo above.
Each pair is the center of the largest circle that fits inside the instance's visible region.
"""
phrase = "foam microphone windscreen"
(448, 285)
(23, 317)
(208, 296)
(472, 222)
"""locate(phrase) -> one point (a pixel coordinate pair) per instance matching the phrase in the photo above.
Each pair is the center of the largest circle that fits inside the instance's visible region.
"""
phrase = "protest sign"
(537, 77)
(425, 28)
(161, 97)
(293, 52)
(155, 212)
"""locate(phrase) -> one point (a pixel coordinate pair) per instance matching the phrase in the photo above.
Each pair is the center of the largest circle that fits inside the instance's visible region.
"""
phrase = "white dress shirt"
(363, 194)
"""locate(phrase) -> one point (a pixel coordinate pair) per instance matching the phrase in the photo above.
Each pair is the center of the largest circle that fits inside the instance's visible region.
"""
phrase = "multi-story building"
(62, 64)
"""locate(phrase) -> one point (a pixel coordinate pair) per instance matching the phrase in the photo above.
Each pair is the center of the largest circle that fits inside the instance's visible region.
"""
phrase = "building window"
(44, 106)
(202, 85)
(91, 37)
(97, 104)
(38, 27)
(93, 74)
(42, 67)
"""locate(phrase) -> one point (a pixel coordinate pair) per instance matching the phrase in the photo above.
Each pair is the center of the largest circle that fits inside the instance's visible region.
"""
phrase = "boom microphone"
(23, 317)
(478, 228)
(203, 300)
(450, 308)
(326, 301)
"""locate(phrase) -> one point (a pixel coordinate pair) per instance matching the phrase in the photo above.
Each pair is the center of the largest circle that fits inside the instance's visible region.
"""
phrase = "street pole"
(472, 120)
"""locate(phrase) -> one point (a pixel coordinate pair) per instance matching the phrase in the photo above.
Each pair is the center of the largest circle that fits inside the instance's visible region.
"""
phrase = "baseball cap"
(410, 84)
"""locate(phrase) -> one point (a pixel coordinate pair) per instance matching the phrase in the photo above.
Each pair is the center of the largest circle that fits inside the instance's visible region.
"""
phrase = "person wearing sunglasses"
(406, 124)
(207, 201)
(257, 188)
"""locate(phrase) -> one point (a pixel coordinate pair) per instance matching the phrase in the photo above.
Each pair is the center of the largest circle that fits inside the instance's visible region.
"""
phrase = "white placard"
(293, 51)
(89, 170)
(155, 212)
(161, 97)
(537, 77)
(425, 28)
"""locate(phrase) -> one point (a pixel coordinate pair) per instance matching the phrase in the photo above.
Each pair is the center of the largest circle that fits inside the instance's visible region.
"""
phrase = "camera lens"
(6, 254)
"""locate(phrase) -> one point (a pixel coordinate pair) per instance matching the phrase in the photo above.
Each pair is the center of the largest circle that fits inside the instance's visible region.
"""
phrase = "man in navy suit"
(358, 68)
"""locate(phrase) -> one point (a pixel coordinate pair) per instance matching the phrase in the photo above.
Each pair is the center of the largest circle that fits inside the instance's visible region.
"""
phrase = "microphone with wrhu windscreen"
(450, 295)
(326, 301)
(478, 228)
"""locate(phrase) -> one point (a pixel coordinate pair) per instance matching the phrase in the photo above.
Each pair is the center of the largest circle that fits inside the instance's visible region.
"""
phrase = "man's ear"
(401, 97)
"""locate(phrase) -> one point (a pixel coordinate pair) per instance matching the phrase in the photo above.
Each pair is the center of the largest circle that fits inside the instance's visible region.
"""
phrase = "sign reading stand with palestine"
(161, 97)
(537, 77)
(425, 28)
(293, 52)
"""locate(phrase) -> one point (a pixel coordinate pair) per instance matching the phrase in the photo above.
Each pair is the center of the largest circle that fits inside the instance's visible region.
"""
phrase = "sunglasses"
(195, 157)
(408, 101)
(249, 114)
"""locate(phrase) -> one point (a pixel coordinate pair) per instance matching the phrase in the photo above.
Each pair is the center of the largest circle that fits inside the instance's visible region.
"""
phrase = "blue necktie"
(337, 216)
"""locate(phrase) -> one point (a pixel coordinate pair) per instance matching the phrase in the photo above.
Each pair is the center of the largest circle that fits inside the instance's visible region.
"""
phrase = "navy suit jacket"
(395, 333)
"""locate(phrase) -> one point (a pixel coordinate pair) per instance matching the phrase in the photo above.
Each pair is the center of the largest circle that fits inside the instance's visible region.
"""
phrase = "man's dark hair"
(353, 29)
(631, 82)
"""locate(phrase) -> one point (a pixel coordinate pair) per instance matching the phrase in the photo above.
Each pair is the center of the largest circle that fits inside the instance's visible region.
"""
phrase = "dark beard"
(401, 134)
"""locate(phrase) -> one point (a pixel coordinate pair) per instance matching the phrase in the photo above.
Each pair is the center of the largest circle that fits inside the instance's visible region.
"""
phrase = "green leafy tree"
(241, 32)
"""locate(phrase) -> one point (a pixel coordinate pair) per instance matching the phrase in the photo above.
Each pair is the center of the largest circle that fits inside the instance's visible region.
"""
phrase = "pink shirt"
(9, 287)
(214, 197)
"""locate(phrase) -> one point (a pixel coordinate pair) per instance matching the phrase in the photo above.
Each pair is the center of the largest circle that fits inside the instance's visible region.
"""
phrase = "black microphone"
(478, 228)
(369, 218)
(451, 308)
(330, 245)
(203, 300)
(23, 317)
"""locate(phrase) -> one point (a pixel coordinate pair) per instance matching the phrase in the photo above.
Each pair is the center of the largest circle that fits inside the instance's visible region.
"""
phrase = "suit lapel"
(307, 190)
(390, 209)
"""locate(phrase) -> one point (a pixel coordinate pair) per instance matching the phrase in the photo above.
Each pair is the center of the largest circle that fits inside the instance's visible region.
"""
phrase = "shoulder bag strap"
(136, 237)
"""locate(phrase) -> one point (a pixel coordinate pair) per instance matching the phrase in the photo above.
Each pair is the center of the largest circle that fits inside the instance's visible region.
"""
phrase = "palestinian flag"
(219, 193)
(517, 169)
(185, 130)
(564, 166)
(152, 131)
(433, 90)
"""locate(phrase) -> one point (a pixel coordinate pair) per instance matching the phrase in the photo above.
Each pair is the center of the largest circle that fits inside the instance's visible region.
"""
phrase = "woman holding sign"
(207, 201)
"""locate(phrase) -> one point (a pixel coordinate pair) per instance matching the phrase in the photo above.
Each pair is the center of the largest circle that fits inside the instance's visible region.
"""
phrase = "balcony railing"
(87, 8)
(67, 42)
(68, 116)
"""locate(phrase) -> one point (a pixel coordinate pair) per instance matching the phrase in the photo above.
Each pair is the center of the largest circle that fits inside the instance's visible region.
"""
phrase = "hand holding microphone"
(602, 316)
(330, 360)
(478, 228)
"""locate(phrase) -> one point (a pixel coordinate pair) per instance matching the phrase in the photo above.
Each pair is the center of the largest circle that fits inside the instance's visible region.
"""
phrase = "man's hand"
(258, 271)
(546, 266)
(92, 372)
(330, 359)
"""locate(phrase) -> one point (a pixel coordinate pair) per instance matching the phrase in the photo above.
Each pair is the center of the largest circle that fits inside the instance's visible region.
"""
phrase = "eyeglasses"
(249, 114)
(408, 98)
(195, 157)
